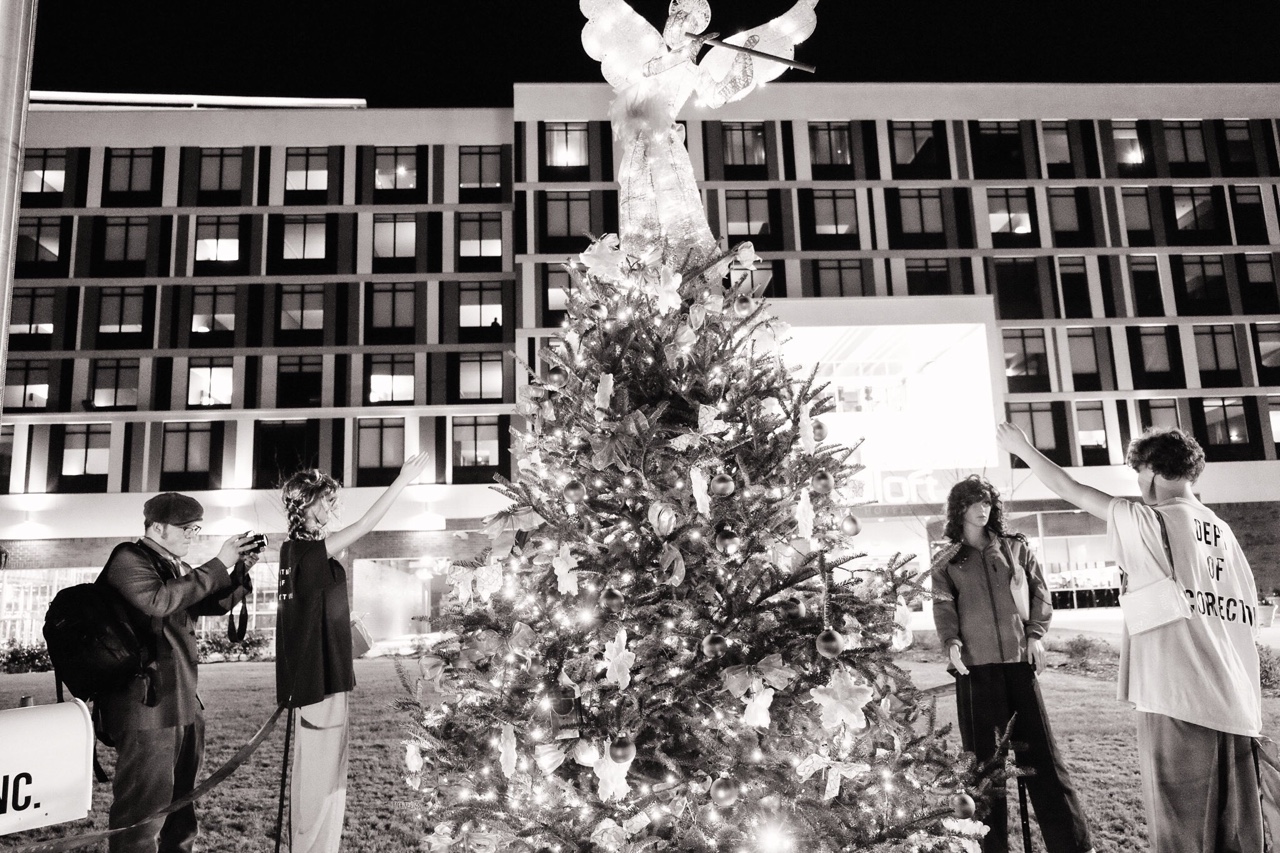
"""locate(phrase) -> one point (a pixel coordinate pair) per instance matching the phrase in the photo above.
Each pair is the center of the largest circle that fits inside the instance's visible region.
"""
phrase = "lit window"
(304, 237)
(744, 144)
(479, 166)
(840, 278)
(1193, 208)
(1057, 144)
(1203, 276)
(379, 442)
(1224, 420)
(565, 143)
(115, 382)
(1155, 349)
(835, 212)
(1064, 213)
(1216, 348)
(306, 169)
(301, 307)
(480, 235)
(125, 238)
(221, 169)
(475, 441)
(747, 212)
(480, 304)
(1137, 214)
(122, 310)
(558, 286)
(909, 140)
(209, 382)
(1184, 141)
(391, 378)
(39, 239)
(480, 376)
(1082, 348)
(1128, 146)
(394, 236)
(86, 449)
(921, 211)
(568, 214)
(1091, 426)
(31, 312)
(129, 169)
(395, 168)
(391, 305)
(1009, 211)
(26, 384)
(187, 448)
(44, 170)
(213, 309)
(1036, 420)
(1162, 414)
(218, 238)
(829, 144)
(1025, 353)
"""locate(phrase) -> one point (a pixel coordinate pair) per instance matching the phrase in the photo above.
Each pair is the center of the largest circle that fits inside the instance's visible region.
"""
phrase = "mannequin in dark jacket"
(157, 723)
(995, 651)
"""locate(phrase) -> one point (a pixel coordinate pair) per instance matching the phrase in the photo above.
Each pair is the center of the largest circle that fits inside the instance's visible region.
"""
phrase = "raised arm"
(1093, 501)
(352, 533)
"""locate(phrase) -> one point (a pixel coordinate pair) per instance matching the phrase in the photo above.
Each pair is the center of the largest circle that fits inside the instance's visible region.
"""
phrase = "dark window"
(1204, 285)
(26, 384)
(1266, 349)
(392, 312)
(1075, 287)
(1026, 360)
(44, 172)
(1258, 285)
(1070, 216)
(299, 381)
(1250, 221)
(221, 175)
(841, 278)
(744, 145)
(301, 308)
(1216, 356)
(390, 378)
(122, 310)
(477, 449)
(379, 450)
(747, 212)
(1144, 274)
(282, 447)
(568, 214)
(1082, 349)
(1194, 212)
(1012, 217)
(915, 219)
(1184, 142)
(129, 170)
(213, 315)
(997, 149)
(188, 455)
(39, 240)
(1017, 286)
(829, 149)
(1137, 216)
(6, 457)
(1238, 156)
(1091, 433)
(304, 237)
(115, 384)
(928, 277)
(767, 279)
(835, 213)
(31, 312)
(1155, 358)
(479, 173)
(919, 149)
(1045, 425)
(1057, 150)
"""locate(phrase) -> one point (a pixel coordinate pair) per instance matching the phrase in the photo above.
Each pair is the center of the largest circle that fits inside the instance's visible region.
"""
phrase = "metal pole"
(17, 36)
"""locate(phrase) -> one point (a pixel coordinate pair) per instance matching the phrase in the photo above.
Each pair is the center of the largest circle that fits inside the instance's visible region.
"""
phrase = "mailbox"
(46, 765)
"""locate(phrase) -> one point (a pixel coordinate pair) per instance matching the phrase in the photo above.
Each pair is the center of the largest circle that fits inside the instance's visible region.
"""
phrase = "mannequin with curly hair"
(994, 645)
(313, 647)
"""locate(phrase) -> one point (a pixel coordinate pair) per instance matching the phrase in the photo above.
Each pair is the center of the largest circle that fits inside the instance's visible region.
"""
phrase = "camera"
(257, 542)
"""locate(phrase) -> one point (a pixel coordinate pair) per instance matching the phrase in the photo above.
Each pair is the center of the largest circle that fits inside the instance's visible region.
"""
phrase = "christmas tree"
(664, 648)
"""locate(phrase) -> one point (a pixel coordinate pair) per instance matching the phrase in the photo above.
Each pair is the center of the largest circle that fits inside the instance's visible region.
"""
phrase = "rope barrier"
(214, 779)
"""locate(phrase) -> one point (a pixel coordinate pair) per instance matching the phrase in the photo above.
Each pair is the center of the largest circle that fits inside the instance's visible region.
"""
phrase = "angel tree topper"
(653, 76)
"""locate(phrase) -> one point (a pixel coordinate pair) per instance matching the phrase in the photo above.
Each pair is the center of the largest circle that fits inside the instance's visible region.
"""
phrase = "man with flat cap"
(156, 722)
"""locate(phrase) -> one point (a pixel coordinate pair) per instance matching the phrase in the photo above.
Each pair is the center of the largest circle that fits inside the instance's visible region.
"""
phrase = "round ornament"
(557, 376)
(819, 431)
(850, 525)
(612, 600)
(725, 791)
(714, 645)
(728, 542)
(743, 306)
(830, 644)
(792, 608)
(598, 310)
(722, 485)
(623, 749)
(575, 492)
(562, 704)
(823, 483)
(962, 805)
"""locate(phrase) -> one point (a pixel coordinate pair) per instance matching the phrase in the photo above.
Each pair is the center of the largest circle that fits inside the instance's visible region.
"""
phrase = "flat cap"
(172, 508)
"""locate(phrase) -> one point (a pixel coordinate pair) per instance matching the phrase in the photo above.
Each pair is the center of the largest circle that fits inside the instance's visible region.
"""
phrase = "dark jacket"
(973, 607)
(313, 625)
(169, 595)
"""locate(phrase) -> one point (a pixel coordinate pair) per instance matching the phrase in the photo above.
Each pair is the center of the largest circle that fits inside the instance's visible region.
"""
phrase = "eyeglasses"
(189, 529)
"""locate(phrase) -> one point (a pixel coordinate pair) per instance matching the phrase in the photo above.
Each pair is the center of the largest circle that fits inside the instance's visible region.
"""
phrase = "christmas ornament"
(830, 643)
(574, 492)
(842, 701)
(564, 564)
(757, 711)
(728, 542)
(792, 608)
(743, 306)
(850, 525)
(714, 645)
(836, 772)
(557, 377)
(822, 483)
(725, 791)
(962, 805)
(598, 310)
(722, 485)
(564, 701)
(536, 393)
(618, 660)
(507, 750)
(622, 750)
(663, 518)
(612, 600)
(819, 431)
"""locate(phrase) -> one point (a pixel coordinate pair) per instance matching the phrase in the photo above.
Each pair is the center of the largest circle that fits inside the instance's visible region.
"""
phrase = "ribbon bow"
(836, 772)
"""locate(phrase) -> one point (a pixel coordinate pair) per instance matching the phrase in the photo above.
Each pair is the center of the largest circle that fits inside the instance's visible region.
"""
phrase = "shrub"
(18, 657)
(216, 647)
(1082, 650)
(1269, 667)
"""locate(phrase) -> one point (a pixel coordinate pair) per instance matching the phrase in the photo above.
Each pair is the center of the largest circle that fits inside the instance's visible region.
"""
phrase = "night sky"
(397, 53)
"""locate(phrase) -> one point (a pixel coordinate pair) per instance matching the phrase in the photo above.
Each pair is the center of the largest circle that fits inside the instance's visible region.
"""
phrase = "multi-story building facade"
(206, 299)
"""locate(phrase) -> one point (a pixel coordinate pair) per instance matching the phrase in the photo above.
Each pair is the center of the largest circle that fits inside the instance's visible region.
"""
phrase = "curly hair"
(1170, 452)
(298, 493)
(965, 494)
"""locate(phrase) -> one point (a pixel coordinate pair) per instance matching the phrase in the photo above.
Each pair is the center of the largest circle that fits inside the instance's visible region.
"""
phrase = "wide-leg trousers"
(987, 698)
(318, 790)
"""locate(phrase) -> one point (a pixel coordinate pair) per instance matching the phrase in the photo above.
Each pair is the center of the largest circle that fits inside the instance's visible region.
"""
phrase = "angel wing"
(620, 39)
(778, 37)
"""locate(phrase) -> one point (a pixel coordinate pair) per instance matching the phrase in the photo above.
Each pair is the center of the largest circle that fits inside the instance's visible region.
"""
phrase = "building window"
(835, 212)
(379, 443)
(115, 383)
(1082, 349)
(1074, 277)
(221, 169)
(1091, 432)
(392, 305)
(394, 235)
(1144, 274)
(1184, 141)
(558, 286)
(217, 238)
(1036, 420)
(26, 384)
(480, 305)
(565, 143)
(301, 307)
(1258, 288)
(1154, 352)
(841, 278)
(1238, 151)
(479, 167)
(744, 144)
(1137, 214)
(1057, 147)
(568, 214)
(1009, 211)
(395, 168)
(213, 309)
(391, 378)
(1193, 209)
(1224, 420)
(299, 381)
(1160, 413)
(1247, 212)
(762, 279)
(913, 144)
(1026, 360)
(475, 442)
(122, 310)
(1017, 288)
(306, 169)
(31, 312)
(188, 448)
(129, 170)
(1216, 355)
(829, 144)
(928, 277)
(747, 213)
(1266, 337)
(480, 376)
(1064, 212)
(921, 211)
(480, 235)
(209, 382)
(997, 150)
(304, 237)
(44, 170)
(1129, 151)
(1205, 283)
(125, 238)
(86, 450)
(39, 239)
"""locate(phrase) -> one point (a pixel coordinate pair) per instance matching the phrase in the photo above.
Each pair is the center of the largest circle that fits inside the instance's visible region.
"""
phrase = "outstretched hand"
(414, 466)
(1012, 439)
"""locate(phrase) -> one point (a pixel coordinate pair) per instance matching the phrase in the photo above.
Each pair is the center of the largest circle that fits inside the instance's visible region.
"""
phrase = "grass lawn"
(1095, 734)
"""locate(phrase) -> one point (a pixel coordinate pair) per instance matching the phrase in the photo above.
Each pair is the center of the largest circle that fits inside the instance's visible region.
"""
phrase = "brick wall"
(1257, 527)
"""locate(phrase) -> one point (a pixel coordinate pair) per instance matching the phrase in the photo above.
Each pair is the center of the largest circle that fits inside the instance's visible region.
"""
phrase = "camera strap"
(236, 626)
